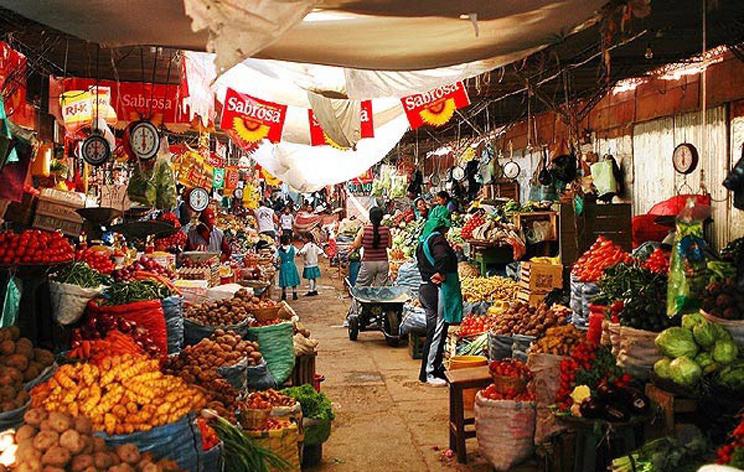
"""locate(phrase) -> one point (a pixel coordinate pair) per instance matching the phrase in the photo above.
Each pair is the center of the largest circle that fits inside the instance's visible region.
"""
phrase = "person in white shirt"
(310, 252)
(286, 221)
(266, 219)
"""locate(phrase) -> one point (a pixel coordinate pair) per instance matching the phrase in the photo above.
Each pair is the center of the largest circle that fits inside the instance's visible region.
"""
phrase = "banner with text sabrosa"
(249, 120)
(435, 107)
(70, 100)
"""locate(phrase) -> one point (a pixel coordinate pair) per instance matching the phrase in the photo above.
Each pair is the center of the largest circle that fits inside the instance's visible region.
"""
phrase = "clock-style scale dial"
(198, 199)
(144, 139)
(95, 150)
(685, 158)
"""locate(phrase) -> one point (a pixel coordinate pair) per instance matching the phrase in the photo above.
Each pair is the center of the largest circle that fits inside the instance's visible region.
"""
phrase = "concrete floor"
(385, 419)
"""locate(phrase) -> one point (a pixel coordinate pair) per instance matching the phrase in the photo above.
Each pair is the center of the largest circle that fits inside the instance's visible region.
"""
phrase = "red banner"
(318, 137)
(13, 71)
(249, 120)
(232, 177)
(435, 107)
(131, 100)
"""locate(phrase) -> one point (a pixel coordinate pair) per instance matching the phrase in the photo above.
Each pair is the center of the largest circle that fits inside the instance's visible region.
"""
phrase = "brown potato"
(81, 462)
(25, 347)
(46, 440)
(60, 422)
(7, 347)
(56, 456)
(72, 441)
(25, 432)
(34, 416)
(18, 361)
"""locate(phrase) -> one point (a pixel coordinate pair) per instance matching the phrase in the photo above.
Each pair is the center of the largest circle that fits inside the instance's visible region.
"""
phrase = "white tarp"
(393, 35)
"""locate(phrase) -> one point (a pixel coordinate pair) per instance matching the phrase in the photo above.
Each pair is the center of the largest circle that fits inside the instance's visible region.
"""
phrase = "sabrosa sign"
(250, 120)
(130, 100)
(318, 137)
(435, 107)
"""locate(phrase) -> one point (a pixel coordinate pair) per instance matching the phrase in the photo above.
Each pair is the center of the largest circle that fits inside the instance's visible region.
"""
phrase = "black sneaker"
(294, 296)
(314, 293)
(309, 294)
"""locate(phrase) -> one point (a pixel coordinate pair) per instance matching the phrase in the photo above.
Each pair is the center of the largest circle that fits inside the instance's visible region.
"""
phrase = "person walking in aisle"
(288, 276)
(266, 220)
(440, 293)
(286, 221)
(310, 252)
(375, 240)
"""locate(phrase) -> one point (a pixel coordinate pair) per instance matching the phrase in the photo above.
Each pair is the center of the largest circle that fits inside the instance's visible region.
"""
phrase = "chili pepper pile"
(208, 435)
(98, 259)
(732, 454)
(33, 246)
(472, 223)
(658, 262)
(80, 274)
(601, 255)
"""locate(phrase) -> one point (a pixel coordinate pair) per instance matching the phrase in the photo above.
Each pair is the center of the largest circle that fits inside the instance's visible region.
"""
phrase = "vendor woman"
(207, 237)
(440, 294)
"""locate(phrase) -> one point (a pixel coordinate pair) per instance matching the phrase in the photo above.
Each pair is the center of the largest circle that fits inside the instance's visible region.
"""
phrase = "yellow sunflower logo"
(249, 130)
(333, 143)
(439, 113)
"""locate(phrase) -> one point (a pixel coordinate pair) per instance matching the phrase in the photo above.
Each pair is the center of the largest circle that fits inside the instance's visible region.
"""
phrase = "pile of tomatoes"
(471, 225)
(491, 393)
(473, 325)
(600, 256)
(510, 368)
(97, 258)
(657, 262)
(176, 240)
(34, 246)
(144, 263)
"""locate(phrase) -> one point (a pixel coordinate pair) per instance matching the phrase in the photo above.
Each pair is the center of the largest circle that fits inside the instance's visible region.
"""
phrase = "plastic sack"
(236, 374)
(734, 327)
(499, 346)
(179, 441)
(11, 302)
(259, 377)
(520, 345)
(581, 296)
(211, 460)
(275, 343)
(316, 431)
(546, 370)
(164, 179)
(173, 313)
(147, 314)
(195, 332)
(69, 301)
(413, 321)
(635, 351)
(504, 430)
(644, 250)
(13, 418)
(688, 274)
(476, 308)
(141, 188)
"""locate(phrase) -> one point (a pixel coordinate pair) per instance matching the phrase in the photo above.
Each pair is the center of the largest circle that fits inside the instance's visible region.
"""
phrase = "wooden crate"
(540, 278)
(524, 222)
(50, 223)
(502, 188)
(578, 233)
(672, 408)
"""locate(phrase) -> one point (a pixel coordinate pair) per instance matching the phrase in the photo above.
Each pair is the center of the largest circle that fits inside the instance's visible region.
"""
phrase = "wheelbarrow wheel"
(392, 341)
(353, 323)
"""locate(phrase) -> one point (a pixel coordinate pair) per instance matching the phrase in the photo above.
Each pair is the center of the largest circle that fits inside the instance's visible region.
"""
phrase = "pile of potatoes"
(227, 312)
(198, 364)
(521, 318)
(55, 442)
(20, 362)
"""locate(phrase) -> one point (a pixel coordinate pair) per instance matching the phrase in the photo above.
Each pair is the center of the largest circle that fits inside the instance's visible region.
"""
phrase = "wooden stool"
(459, 380)
(673, 408)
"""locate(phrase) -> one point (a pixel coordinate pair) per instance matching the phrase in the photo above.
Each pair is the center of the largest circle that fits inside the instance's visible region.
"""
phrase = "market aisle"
(386, 420)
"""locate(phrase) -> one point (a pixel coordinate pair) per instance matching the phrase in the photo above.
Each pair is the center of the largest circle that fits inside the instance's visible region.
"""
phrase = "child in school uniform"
(288, 275)
(310, 252)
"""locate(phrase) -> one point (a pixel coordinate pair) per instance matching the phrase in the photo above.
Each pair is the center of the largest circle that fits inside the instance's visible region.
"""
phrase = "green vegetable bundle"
(242, 454)
(121, 293)
(80, 274)
(314, 404)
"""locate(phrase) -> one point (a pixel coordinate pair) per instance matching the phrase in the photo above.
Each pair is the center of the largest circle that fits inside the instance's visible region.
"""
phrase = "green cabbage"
(676, 342)
(732, 376)
(684, 371)
(704, 334)
(706, 362)
(692, 320)
(722, 333)
(725, 351)
(661, 368)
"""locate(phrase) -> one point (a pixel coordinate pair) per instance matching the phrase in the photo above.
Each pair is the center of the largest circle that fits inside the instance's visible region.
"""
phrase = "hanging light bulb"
(649, 54)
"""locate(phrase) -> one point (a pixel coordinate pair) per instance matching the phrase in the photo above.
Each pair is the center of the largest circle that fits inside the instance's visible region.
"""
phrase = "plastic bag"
(688, 273)
(581, 295)
(546, 370)
(11, 302)
(166, 194)
(275, 343)
(504, 430)
(414, 320)
(69, 301)
(173, 313)
(499, 346)
(521, 344)
(236, 374)
(146, 314)
(141, 187)
(195, 332)
(259, 377)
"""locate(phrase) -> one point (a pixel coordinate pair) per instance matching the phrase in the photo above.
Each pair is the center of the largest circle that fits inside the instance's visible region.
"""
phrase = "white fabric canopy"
(394, 35)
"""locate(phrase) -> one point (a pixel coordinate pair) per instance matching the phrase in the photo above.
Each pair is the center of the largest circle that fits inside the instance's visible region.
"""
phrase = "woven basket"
(283, 442)
(253, 419)
(503, 383)
(266, 314)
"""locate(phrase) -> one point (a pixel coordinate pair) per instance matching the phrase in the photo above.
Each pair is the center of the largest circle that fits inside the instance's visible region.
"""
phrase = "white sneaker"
(436, 382)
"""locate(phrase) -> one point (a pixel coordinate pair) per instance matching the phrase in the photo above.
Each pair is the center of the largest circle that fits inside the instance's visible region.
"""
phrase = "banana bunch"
(478, 289)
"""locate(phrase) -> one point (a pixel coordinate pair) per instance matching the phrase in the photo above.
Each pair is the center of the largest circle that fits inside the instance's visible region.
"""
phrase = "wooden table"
(459, 380)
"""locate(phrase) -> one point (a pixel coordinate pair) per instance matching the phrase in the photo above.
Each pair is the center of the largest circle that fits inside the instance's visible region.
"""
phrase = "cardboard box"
(541, 278)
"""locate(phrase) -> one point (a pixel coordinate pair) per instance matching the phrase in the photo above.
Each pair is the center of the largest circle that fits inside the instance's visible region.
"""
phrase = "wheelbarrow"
(377, 308)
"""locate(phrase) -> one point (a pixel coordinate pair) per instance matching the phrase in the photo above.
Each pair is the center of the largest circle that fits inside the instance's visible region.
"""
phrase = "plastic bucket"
(464, 362)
